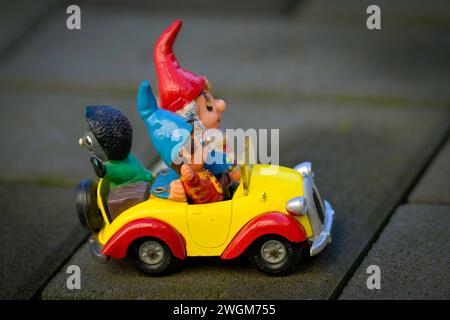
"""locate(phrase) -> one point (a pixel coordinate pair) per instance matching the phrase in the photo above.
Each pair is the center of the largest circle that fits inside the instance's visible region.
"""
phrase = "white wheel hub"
(273, 251)
(151, 252)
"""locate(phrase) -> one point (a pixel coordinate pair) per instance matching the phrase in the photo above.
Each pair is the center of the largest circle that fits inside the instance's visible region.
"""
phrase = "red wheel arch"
(117, 246)
(268, 223)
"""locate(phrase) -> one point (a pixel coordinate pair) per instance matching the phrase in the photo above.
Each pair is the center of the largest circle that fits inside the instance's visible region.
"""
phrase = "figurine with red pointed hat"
(189, 95)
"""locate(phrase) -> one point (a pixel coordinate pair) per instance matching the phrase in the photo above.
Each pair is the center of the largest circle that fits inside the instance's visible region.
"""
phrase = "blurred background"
(369, 108)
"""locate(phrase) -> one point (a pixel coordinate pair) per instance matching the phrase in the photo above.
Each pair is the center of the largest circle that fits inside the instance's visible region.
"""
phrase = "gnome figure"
(189, 95)
(186, 94)
(109, 140)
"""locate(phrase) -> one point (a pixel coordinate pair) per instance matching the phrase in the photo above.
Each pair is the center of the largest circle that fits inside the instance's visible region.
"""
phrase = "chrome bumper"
(96, 251)
(320, 241)
(321, 230)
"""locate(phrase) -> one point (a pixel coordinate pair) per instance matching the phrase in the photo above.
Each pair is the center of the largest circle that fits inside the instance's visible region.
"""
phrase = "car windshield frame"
(246, 167)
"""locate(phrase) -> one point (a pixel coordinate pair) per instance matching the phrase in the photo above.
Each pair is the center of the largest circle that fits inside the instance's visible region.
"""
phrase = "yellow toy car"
(274, 215)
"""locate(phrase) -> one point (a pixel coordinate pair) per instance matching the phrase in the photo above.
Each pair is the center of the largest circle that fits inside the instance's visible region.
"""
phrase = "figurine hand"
(177, 192)
(146, 101)
(236, 174)
(99, 167)
(187, 172)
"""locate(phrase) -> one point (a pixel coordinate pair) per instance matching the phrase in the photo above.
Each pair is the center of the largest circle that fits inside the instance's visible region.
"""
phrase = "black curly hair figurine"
(112, 130)
(109, 140)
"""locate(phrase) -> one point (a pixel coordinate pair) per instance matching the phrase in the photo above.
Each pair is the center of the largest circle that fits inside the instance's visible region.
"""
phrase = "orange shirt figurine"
(199, 184)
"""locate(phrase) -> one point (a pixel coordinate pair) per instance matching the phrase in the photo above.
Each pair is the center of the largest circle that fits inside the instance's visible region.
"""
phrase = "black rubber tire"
(284, 267)
(166, 266)
(86, 202)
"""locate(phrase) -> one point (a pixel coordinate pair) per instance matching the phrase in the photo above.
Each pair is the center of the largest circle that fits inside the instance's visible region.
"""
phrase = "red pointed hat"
(176, 86)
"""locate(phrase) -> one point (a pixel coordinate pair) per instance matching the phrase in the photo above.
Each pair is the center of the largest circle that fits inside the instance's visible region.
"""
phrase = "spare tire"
(89, 214)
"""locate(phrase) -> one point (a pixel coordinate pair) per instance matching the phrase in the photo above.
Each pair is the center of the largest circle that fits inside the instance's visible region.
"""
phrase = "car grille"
(318, 205)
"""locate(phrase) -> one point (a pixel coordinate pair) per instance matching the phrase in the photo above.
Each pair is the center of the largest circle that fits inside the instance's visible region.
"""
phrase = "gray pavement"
(434, 185)
(412, 253)
(306, 56)
(398, 12)
(17, 17)
(412, 250)
(38, 232)
(369, 109)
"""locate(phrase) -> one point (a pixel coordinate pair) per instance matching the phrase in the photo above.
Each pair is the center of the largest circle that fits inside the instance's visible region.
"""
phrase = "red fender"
(268, 223)
(117, 246)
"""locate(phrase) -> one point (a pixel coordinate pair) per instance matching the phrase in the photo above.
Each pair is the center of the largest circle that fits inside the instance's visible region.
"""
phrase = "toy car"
(271, 218)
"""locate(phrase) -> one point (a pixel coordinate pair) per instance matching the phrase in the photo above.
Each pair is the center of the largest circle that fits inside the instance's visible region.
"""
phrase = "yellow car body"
(209, 228)
(275, 209)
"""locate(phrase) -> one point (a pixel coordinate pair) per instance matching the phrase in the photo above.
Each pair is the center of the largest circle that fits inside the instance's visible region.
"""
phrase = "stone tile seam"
(402, 200)
(38, 293)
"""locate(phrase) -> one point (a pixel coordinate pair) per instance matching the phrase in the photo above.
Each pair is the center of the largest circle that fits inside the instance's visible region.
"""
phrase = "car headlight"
(297, 206)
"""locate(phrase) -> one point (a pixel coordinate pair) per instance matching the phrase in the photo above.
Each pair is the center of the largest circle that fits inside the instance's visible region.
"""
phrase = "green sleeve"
(119, 173)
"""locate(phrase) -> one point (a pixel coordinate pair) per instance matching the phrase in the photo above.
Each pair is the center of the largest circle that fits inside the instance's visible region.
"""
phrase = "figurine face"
(89, 142)
(210, 109)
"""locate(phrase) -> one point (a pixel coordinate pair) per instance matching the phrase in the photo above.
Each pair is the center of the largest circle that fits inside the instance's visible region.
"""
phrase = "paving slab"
(254, 55)
(412, 254)
(364, 159)
(39, 135)
(17, 16)
(39, 230)
(434, 186)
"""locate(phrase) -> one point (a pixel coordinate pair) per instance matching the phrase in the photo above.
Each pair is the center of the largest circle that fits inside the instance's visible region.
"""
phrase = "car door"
(209, 223)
